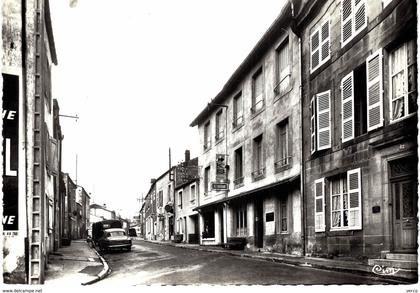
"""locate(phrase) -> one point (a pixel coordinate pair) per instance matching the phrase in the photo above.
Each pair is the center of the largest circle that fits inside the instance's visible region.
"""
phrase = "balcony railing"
(259, 105)
(258, 174)
(283, 162)
(238, 180)
(238, 121)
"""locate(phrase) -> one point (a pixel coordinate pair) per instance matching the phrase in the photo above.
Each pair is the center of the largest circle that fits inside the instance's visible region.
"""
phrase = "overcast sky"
(137, 72)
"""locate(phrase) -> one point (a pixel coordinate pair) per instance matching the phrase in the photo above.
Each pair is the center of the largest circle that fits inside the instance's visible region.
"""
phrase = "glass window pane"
(336, 219)
(398, 109)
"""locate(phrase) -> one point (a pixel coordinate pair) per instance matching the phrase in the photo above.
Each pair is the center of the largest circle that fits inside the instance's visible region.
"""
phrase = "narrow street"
(150, 263)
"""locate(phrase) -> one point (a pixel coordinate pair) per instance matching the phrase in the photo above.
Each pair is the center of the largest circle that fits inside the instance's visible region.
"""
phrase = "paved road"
(150, 263)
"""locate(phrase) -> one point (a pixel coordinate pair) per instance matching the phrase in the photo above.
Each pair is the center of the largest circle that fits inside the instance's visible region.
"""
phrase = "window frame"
(284, 160)
(241, 220)
(236, 117)
(207, 136)
(321, 42)
(239, 179)
(406, 94)
(285, 74)
(259, 72)
(180, 195)
(284, 202)
(192, 198)
(219, 129)
(354, 32)
(206, 180)
(258, 166)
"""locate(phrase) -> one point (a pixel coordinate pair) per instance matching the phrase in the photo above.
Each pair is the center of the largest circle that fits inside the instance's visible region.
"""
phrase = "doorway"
(404, 209)
(259, 224)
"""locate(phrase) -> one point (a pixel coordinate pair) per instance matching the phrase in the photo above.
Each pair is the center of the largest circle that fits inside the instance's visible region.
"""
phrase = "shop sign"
(10, 152)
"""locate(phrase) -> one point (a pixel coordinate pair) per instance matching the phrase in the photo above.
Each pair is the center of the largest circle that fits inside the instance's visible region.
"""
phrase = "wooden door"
(405, 214)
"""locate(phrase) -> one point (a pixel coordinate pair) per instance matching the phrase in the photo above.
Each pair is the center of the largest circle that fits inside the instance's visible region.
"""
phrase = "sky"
(137, 73)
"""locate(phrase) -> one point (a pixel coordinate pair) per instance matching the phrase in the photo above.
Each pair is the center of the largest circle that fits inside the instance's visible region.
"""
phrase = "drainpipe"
(302, 165)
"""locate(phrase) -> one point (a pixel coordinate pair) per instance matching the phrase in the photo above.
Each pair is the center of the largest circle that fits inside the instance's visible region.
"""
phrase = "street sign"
(219, 186)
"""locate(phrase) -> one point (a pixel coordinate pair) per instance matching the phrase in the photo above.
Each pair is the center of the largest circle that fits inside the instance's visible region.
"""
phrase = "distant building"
(83, 198)
(100, 212)
(186, 199)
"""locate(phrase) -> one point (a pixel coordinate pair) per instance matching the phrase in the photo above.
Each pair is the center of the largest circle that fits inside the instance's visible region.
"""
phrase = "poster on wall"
(10, 153)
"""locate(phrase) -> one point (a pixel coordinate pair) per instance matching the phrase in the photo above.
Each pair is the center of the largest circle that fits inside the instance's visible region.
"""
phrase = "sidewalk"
(336, 264)
(77, 264)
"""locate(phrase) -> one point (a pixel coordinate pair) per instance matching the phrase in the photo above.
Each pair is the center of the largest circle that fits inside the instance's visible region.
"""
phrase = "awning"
(248, 193)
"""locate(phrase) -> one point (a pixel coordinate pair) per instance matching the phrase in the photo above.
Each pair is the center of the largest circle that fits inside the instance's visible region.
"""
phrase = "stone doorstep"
(394, 263)
(401, 256)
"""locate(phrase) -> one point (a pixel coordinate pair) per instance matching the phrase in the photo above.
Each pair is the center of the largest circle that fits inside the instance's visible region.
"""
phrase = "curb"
(300, 263)
(102, 274)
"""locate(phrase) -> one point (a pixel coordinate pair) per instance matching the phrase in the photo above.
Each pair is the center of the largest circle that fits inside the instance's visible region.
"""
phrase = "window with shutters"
(282, 69)
(238, 118)
(319, 205)
(353, 19)
(354, 104)
(345, 192)
(320, 45)
(321, 121)
(403, 81)
(257, 91)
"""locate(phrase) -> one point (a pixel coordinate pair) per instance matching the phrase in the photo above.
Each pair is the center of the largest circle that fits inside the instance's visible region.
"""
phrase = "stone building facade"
(250, 137)
(359, 71)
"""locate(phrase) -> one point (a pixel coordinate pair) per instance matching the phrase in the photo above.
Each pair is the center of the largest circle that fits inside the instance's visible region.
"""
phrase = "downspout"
(302, 167)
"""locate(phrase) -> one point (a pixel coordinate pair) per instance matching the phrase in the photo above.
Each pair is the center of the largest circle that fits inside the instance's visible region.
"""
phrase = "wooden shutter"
(319, 205)
(325, 41)
(347, 107)
(374, 90)
(315, 51)
(313, 125)
(355, 203)
(360, 15)
(323, 122)
(346, 21)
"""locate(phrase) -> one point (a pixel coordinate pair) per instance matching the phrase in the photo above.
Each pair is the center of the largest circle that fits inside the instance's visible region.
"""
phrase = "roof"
(275, 30)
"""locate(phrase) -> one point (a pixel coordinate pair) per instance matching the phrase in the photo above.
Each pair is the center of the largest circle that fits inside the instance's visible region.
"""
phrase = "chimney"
(187, 155)
(104, 205)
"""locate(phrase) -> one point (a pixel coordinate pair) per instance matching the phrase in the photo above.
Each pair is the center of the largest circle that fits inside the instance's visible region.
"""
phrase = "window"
(219, 125)
(160, 198)
(208, 218)
(169, 192)
(206, 180)
(353, 19)
(361, 98)
(257, 91)
(345, 193)
(239, 175)
(241, 221)
(237, 110)
(321, 121)
(258, 160)
(192, 192)
(283, 215)
(320, 45)
(282, 144)
(319, 191)
(180, 199)
(207, 137)
(403, 81)
(283, 68)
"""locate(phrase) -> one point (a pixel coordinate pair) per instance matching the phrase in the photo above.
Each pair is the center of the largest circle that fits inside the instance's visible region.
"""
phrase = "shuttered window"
(347, 107)
(353, 19)
(374, 90)
(355, 203)
(313, 125)
(320, 45)
(323, 107)
(345, 191)
(319, 192)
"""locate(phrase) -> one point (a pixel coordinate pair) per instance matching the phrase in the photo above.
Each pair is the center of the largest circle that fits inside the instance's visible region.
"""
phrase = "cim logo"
(384, 271)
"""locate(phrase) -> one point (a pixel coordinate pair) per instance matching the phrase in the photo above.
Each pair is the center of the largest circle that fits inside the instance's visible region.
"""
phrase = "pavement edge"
(102, 274)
